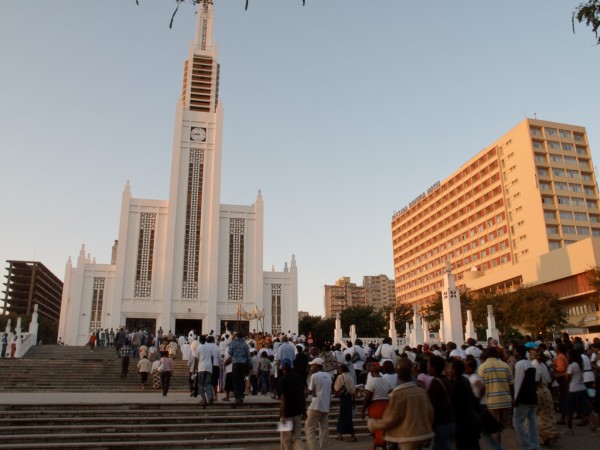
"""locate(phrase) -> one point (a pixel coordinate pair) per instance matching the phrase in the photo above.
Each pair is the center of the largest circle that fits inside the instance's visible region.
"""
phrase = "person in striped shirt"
(498, 381)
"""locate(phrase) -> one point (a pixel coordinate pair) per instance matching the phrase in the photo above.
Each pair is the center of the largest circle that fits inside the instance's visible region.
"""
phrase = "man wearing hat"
(292, 407)
(318, 411)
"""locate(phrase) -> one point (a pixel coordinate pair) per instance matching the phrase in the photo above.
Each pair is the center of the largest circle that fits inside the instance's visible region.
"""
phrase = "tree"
(433, 310)
(403, 313)
(321, 329)
(590, 14)
(369, 323)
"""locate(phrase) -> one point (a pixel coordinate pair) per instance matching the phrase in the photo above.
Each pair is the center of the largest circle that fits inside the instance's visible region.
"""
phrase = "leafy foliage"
(368, 322)
(590, 14)
(532, 309)
(402, 313)
(433, 310)
(321, 329)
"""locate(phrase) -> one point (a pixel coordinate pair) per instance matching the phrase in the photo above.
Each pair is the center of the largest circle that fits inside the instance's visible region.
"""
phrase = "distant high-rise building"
(342, 295)
(379, 291)
(29, 283)
(523, 211)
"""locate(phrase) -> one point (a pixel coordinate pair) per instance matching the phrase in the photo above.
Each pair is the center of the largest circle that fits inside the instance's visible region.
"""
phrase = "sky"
(340, 112)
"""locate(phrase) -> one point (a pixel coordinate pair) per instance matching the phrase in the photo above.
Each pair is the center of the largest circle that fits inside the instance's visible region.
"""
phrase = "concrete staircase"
(149, 426)
(121, 419)
(76, 369)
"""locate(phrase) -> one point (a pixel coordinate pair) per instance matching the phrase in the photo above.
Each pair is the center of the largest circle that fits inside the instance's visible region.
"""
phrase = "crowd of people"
(432, 396)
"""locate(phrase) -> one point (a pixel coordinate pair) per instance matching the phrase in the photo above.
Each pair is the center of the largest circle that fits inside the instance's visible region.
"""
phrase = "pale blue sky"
(341, 112)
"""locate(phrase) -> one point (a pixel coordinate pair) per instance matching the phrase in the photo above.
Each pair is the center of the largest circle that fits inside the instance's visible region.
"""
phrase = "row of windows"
(465, 220)
(440, 195)
(583, 163)
(564, 134)
(570, 215)
(437, 210)
(565, 173)
(467, 234)
(584, 309)
(472, 247)
(573, 230)
(564, 200)
(573, 187)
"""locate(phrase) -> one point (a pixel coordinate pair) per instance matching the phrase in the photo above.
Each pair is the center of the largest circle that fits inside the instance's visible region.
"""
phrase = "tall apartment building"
(523, 211)
(342, 295)
(379, 291)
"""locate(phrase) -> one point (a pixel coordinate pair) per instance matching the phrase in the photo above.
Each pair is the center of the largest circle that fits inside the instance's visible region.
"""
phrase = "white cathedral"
(189, 262)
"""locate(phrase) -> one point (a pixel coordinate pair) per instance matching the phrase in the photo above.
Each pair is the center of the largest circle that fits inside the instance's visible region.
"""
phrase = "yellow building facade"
(502, 215)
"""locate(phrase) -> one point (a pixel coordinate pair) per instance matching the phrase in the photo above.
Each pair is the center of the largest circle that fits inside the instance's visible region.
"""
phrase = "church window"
(191, 257)
(97, 302)
(276, 308)
(145, 256)
(235, 291)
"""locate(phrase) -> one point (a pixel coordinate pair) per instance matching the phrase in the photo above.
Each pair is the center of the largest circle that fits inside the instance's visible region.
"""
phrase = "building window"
(554, 145)
(581, 216)
(235, 292)
(568, 229)
(592, 204)
(575, 187)
(556, 158)
(551, 131)
(583, 231)
(145, 256)
(276, 308)
(581, 150)
(567, 215)
(551, 229)
(570, 160)
(567, 147)
(578, 201)
(557, 172)
(578, 137)
(97, 303)
(563, 200)
(566, 134)
(561, 186)
(573, 173)
(549, 215)
(554, 245)
(193, 220)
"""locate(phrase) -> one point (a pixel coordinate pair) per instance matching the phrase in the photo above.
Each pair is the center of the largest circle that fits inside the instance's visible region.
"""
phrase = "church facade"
(188, 262)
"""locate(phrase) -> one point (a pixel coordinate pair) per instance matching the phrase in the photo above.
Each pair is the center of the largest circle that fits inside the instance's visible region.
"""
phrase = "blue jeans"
(205, 390)
(529, 440)
(264, 383)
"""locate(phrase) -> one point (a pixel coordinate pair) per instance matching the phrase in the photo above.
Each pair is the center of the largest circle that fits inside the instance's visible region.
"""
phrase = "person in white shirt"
(386, 352)
(455, 352)
(318, 411)
(377, 396)
(205, 365)
(473, 350)
(577, 399)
